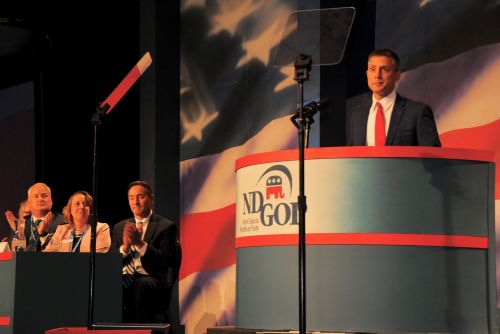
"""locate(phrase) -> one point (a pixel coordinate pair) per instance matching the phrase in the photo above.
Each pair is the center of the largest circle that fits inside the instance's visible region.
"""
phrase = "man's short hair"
(38, 184)
(144, 184)
(386, 53)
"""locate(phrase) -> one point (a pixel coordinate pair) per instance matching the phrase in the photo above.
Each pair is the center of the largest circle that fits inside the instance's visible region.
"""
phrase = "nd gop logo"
(271, 200)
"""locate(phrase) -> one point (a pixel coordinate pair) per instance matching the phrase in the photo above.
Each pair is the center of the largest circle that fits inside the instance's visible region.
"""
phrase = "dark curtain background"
(76, 54)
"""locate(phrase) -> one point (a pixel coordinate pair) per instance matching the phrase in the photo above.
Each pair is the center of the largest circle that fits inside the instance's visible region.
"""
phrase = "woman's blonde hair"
(67, 209)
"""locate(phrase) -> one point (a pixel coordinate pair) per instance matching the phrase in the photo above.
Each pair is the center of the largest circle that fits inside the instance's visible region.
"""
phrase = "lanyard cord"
(79, 240)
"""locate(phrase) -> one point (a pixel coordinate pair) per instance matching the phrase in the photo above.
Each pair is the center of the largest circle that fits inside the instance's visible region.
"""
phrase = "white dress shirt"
(138, 252)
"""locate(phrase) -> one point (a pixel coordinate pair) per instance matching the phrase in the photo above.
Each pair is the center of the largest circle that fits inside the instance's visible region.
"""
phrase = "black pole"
(302, 68)
(302, 218)
(96, 121)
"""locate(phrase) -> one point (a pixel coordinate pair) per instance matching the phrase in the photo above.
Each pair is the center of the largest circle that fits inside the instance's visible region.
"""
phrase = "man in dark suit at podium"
(42, 223)
(385, 118)
(147, 243)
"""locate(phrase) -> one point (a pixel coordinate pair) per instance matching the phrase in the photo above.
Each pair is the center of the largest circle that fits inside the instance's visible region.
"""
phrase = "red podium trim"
(367, 152)
(84, 330)
(388, 239)
(7, 256)
(4, 321)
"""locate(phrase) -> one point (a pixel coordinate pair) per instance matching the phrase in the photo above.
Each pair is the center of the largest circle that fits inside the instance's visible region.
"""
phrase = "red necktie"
(379, 126)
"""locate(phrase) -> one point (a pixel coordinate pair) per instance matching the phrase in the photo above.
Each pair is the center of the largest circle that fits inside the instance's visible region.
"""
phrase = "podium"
(398, 239)
(41, 291)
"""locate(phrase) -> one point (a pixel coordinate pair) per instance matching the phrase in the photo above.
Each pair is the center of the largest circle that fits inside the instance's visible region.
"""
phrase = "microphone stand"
(302, 69)
(102, 109)
(96, 121)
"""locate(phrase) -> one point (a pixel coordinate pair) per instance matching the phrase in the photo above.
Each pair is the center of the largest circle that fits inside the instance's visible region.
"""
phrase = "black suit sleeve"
(117, 237)
(427, 134)
(161, 249)
(348, 130)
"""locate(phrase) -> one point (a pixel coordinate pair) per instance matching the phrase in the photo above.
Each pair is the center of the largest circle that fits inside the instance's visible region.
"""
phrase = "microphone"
(309, 110)
(316, 105)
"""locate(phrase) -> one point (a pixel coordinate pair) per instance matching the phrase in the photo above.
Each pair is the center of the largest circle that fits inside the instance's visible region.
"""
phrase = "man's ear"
(398, 75)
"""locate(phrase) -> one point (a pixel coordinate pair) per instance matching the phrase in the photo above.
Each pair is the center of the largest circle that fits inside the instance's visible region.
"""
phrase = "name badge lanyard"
(79, 240)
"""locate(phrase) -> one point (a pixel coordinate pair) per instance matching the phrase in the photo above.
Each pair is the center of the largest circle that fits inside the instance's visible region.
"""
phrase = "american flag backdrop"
(234, 102)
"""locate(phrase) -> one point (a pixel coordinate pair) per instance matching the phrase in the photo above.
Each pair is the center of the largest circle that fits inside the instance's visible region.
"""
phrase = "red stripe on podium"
(7, 256)
(367, 152)
(388, 239)
(4, 321)
(84, 330)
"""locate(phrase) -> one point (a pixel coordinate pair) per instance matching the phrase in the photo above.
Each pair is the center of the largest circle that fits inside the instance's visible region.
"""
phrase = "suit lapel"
(397, 114)
(151, 228)
(52, 225)
(27, 227)
(361, 118)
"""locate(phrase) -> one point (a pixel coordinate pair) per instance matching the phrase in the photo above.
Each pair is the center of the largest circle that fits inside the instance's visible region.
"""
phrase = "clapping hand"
(43, 227)
(11, 219)
(131, 236)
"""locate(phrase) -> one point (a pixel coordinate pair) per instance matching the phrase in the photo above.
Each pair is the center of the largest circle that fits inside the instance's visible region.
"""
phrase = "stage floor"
(234, 330)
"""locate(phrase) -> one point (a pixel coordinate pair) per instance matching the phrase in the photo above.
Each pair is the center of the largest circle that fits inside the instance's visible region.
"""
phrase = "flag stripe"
(483, 137)
(207, 240)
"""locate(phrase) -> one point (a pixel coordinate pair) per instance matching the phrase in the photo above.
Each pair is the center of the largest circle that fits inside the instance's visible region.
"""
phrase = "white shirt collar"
(386, 101)
(38, 218)
(144, 220)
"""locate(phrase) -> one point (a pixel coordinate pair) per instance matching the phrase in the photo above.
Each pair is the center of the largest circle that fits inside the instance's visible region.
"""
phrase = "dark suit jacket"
(161, 236)
(57, 219)
(412, 123)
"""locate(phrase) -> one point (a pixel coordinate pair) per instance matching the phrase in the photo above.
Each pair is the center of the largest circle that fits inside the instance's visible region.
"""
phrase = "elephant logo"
(274, 187)
(274, 177)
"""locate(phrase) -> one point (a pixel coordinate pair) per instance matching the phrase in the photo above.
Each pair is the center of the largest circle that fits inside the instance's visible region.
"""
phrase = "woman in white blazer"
(74, 236)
